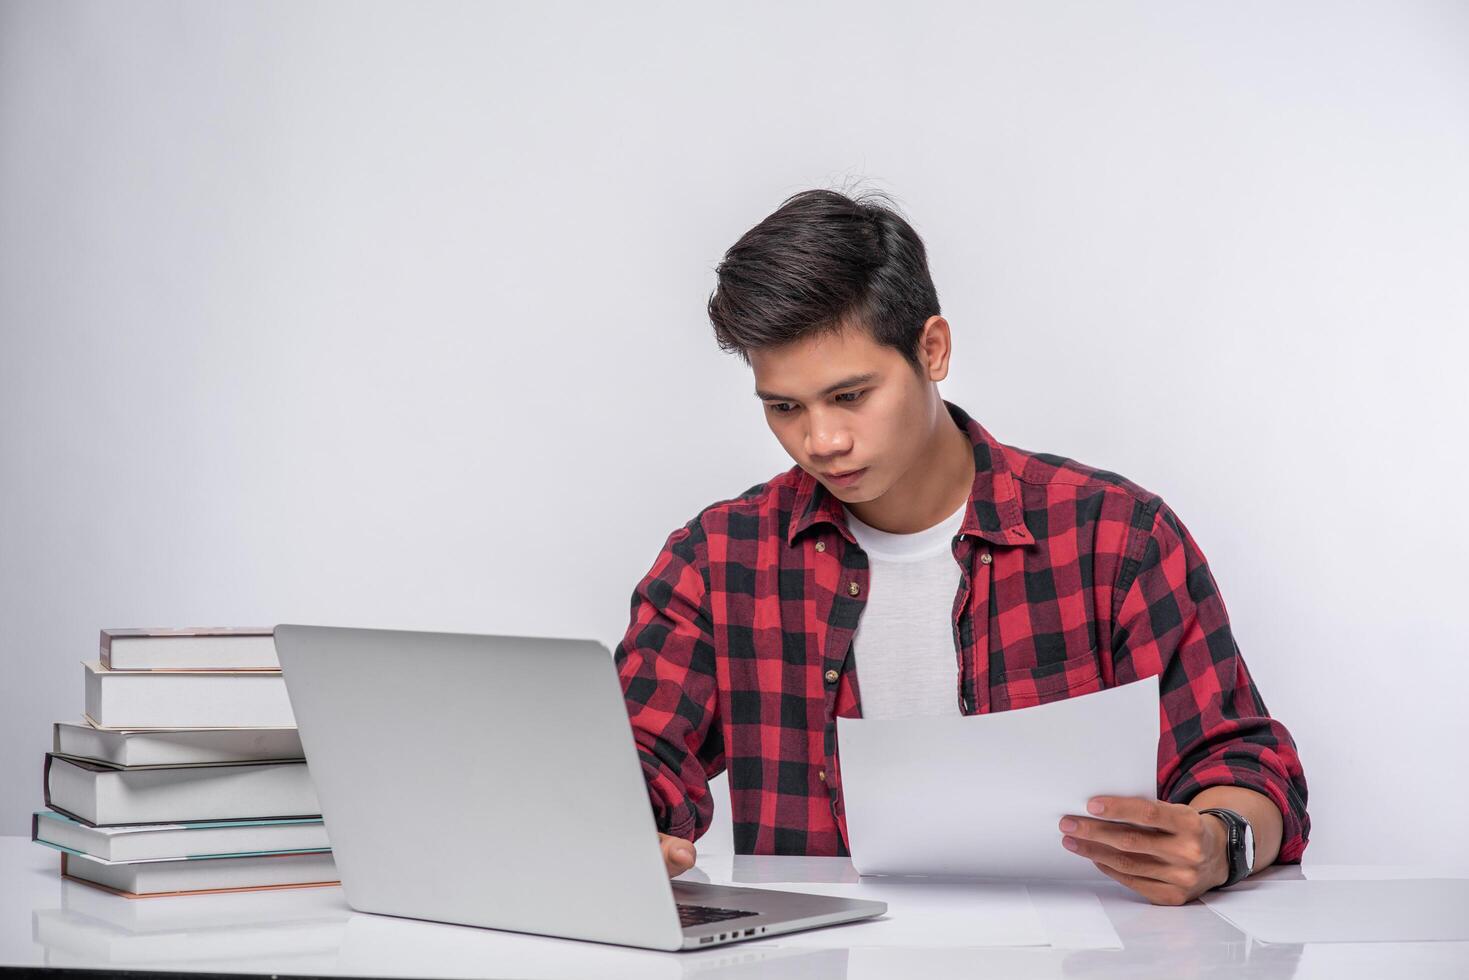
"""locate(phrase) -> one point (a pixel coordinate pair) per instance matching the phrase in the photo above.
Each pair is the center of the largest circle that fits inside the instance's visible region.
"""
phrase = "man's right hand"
(678, 854)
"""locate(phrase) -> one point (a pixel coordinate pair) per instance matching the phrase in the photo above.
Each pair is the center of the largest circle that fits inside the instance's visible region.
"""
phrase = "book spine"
(46, 795)
(46, 782)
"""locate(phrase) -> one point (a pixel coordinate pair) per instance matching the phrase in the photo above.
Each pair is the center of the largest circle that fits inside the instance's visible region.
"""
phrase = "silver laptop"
(494, 781)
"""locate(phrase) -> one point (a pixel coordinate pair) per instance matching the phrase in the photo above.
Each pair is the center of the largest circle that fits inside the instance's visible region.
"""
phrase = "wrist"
(1216, 845)
(1238, 844)
(1263, 815)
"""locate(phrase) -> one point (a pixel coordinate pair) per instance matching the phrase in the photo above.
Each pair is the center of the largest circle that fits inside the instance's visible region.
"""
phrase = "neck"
(935, 486)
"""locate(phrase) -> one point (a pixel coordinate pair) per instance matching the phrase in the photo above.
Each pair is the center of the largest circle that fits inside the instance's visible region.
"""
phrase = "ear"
(934, 347)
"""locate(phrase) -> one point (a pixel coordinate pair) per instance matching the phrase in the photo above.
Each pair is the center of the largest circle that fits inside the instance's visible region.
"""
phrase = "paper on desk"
(981, 795)
(1306, 911)
(1072, 916)
(935, 914)
(926, 913)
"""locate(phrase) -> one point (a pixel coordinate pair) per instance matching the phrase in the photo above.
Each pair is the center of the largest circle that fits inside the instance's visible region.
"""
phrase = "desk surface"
(47, 922)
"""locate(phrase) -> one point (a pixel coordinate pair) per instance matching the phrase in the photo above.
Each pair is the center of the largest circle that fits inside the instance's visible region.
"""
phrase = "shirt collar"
(994, 513)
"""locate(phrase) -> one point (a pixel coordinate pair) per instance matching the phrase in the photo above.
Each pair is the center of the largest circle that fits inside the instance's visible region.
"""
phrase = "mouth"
(846, 478)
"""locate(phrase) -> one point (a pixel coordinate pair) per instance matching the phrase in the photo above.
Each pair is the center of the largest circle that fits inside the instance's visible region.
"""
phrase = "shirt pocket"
(1024, 687)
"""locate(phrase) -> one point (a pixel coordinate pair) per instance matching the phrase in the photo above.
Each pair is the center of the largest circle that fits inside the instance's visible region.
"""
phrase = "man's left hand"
(1167, 852)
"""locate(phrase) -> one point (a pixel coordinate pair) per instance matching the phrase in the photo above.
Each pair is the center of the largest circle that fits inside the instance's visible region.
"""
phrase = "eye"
(851, 396)
(780, 408)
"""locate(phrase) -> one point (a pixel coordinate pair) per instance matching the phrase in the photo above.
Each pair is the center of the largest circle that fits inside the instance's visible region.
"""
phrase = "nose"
(826, 436)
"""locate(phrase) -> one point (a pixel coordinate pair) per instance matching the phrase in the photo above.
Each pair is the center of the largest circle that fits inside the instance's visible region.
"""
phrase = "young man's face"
(842, 402)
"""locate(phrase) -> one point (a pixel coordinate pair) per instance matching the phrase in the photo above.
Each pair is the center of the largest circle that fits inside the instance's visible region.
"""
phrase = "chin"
(852, 495)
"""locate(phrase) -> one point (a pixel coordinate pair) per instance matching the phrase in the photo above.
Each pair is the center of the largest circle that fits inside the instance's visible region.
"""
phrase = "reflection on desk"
(48, 922)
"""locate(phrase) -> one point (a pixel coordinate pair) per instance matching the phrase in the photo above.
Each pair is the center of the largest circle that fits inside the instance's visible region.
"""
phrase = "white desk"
(47, 922)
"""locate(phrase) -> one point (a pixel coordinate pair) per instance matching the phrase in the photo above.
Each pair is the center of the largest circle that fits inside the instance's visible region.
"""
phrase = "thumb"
(677, 852)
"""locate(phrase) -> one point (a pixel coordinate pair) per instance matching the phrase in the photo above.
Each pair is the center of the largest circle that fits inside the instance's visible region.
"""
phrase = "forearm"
(665, 662)
(1218, 743)
(1255, 807)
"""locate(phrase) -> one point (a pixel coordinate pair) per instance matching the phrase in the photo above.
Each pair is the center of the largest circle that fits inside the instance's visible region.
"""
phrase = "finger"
(673, 865)
(675, 855)
(678, 854)
(1185, 846)
(1156, 892)
(1135, 809)
(1121, 836)
(1140, 865)
(1161, 870)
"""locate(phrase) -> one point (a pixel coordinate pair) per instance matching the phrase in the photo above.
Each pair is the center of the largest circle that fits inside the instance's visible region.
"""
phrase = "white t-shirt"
(907, 661)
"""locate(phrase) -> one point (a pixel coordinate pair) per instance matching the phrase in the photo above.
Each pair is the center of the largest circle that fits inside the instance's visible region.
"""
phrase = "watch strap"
(1235, 826)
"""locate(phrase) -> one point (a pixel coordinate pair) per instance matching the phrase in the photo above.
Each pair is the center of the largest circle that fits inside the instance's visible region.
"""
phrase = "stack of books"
(186, 774)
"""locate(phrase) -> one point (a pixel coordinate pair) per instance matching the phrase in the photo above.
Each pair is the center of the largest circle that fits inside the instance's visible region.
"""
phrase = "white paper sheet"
(981, 795)
(1072, 916)
(1400, 910)
(926, 913)
(945, 914)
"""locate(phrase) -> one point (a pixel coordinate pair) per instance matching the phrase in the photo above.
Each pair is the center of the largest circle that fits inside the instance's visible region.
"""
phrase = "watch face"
(1249, 847)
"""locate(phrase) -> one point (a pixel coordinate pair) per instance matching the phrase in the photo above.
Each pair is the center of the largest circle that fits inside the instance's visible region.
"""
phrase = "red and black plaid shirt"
(739, 654)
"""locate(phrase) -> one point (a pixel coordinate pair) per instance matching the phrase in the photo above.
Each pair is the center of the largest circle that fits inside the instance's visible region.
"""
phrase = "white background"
(393, 315)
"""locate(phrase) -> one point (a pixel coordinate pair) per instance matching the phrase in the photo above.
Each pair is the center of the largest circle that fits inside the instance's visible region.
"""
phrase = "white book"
(100, 795)
(151, 878)
(187, 699)
(178, 841)
(175, 747)
(191, 648)
(308, 906)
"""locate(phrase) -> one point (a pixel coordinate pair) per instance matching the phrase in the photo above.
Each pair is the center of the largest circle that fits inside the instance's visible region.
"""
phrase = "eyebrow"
(853, 381)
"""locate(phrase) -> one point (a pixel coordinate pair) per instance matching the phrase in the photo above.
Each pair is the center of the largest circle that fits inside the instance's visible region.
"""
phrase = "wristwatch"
(1241, 847)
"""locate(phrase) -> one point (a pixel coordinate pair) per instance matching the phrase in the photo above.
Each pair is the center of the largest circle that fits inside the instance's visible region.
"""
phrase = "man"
(910, 551)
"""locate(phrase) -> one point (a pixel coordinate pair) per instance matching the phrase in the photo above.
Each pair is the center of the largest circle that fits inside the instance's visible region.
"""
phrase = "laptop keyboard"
(699, 915)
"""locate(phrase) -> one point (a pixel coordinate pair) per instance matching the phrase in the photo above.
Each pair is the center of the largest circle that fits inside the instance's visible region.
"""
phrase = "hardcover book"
(192, 877)
(187, 699)
(175, 746)
(100, 795)
(172, 841)
(190, 648)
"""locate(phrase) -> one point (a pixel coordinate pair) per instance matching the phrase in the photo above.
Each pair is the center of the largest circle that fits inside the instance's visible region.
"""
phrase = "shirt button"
(984, 558)
(853, 588)
(821, 775)
(831, 676)
(821, 546)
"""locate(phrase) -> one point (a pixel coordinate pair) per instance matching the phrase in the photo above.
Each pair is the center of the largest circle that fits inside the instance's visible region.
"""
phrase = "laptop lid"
(482, 780)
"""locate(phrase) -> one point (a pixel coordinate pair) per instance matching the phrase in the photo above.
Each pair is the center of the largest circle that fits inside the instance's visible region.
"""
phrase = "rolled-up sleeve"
(666, 664)
(1215, 729)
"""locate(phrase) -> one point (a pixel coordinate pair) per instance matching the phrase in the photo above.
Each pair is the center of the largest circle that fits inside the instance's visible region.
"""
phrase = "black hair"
(819, 262)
